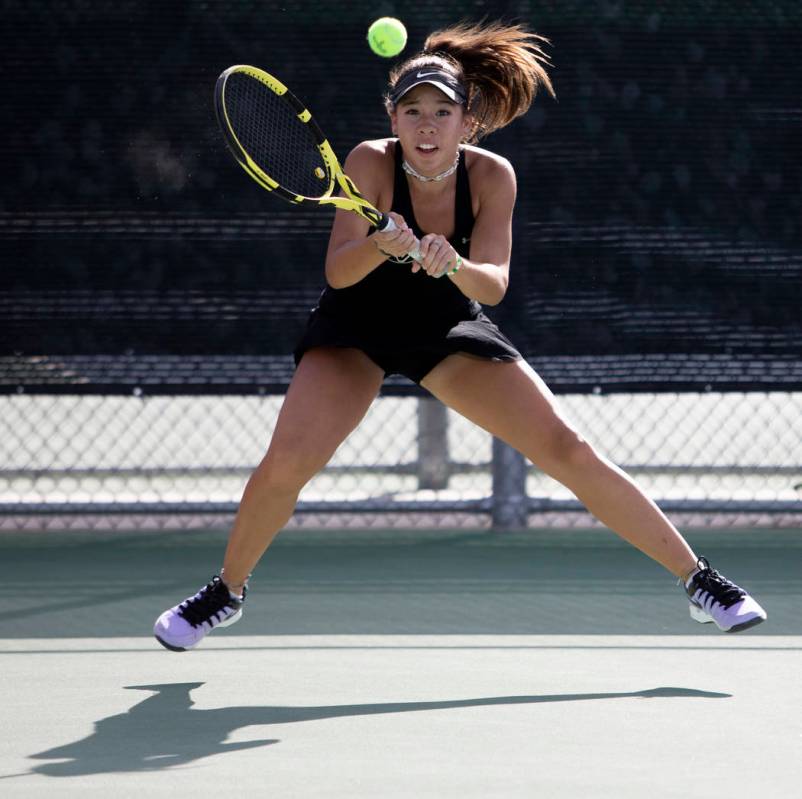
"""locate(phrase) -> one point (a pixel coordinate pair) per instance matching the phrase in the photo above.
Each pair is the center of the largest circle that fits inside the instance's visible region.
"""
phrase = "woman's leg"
(510, 401)
(329, 395)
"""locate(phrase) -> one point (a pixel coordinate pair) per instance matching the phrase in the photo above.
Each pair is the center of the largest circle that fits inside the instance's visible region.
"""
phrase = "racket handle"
(390, 225)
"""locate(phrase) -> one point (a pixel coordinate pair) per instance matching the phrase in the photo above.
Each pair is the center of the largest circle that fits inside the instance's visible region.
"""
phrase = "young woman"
(382, 314)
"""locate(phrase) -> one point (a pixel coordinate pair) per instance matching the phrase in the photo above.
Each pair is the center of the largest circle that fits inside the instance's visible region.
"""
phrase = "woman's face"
(430, 128)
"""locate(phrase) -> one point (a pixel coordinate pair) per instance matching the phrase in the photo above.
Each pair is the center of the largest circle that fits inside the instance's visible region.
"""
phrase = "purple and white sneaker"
(184, 626)
(715, 598)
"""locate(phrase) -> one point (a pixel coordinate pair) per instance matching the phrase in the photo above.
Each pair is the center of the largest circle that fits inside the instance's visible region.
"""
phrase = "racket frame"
(352, 201)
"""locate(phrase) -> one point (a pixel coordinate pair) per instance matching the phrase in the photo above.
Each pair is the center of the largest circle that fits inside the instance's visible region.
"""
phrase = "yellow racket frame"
(352, 201)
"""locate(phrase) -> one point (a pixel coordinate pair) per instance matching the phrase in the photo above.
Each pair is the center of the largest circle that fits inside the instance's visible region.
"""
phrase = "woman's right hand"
(397, 242)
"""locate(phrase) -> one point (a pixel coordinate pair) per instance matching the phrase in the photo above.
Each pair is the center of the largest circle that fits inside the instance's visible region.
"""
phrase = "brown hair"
(501, 66)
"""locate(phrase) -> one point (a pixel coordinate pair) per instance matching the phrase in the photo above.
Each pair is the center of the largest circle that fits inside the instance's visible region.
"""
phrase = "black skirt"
(413, 352)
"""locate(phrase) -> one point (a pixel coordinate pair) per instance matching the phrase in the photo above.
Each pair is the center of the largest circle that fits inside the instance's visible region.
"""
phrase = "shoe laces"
(210, 602)
(715, 585)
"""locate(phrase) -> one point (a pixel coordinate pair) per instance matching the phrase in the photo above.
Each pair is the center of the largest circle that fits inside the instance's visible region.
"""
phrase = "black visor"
(438, 78)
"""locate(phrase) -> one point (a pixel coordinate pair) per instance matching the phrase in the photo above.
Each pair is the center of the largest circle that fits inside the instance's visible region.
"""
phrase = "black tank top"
(391, 295)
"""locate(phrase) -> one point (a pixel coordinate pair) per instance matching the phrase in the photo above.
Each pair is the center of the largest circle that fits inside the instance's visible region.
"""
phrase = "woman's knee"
(564, 451)
(288, 471)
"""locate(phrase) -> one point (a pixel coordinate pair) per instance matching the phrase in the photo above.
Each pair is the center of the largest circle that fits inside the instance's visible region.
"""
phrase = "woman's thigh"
(328, 396)
(511, 402)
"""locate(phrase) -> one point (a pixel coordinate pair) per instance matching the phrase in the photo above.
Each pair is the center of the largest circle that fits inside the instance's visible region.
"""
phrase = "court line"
(423, 648)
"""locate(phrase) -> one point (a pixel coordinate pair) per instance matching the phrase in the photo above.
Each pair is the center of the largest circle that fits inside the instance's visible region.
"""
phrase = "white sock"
(691, 576)
(234, 595)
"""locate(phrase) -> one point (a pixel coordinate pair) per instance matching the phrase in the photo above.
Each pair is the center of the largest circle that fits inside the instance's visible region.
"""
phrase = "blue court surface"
(398, 664)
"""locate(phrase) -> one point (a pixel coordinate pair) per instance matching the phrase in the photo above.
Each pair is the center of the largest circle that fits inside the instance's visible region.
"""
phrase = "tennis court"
(440, 618)
(386, 664)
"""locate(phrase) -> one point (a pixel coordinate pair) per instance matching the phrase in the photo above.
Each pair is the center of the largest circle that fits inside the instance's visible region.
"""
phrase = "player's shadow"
(165, 730)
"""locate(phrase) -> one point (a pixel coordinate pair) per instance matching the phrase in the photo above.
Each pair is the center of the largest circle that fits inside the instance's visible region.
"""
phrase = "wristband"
(458, 265)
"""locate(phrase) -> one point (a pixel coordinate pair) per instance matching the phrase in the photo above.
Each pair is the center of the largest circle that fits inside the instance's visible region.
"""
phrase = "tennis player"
(381, 314)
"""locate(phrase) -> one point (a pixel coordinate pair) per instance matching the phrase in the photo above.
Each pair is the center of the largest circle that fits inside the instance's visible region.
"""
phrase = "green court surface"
(398, 664)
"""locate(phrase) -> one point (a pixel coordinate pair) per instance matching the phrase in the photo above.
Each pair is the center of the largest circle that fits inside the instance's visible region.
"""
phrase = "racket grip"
(390, 225)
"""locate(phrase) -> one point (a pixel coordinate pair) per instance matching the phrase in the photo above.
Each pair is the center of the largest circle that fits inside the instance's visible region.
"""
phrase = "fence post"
(433, 467)
(509, 500)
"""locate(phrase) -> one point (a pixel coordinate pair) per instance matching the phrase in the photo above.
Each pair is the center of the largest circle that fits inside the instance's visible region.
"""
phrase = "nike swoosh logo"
(427, 74)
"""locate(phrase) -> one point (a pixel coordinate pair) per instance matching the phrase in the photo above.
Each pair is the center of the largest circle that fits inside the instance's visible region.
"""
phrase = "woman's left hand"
(438, 257)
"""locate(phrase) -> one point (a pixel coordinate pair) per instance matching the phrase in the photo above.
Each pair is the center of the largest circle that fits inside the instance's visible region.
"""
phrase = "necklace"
(450, 171)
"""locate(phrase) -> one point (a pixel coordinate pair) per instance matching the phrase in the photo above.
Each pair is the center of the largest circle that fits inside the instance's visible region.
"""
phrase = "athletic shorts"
(412, 357)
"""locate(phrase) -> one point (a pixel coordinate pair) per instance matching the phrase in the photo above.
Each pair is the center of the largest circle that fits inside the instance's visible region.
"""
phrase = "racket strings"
(269, 130)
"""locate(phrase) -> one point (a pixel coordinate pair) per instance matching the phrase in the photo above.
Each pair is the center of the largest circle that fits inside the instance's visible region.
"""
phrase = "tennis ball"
(387, 37)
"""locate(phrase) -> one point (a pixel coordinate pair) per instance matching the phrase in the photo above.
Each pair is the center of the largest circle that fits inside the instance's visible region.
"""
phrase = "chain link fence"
(113, 461)
(657, 247)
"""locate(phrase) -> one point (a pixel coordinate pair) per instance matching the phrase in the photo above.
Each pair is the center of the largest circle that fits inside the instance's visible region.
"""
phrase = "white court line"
(36, 646)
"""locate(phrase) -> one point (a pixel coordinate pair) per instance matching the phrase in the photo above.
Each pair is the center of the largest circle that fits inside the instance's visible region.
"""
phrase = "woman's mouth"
(426, 149)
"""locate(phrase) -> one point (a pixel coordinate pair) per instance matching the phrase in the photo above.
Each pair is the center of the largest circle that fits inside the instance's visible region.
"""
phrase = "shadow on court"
(165, 730)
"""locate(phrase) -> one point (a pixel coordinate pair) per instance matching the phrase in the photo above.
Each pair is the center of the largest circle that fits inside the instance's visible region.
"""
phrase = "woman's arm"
(352, 253)
(484, 275)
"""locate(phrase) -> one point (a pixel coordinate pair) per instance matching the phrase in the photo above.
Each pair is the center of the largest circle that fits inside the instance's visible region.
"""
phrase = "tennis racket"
(277, 142)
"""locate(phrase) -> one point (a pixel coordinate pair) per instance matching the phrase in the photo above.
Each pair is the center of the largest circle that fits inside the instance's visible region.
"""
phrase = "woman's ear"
(468, 123)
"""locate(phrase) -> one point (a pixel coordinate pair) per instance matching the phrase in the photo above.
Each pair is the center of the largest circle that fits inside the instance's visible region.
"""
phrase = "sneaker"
(185, 625)
(714, 598)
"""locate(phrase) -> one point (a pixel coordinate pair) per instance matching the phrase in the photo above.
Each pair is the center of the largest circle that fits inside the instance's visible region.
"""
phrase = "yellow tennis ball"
(387, 37)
